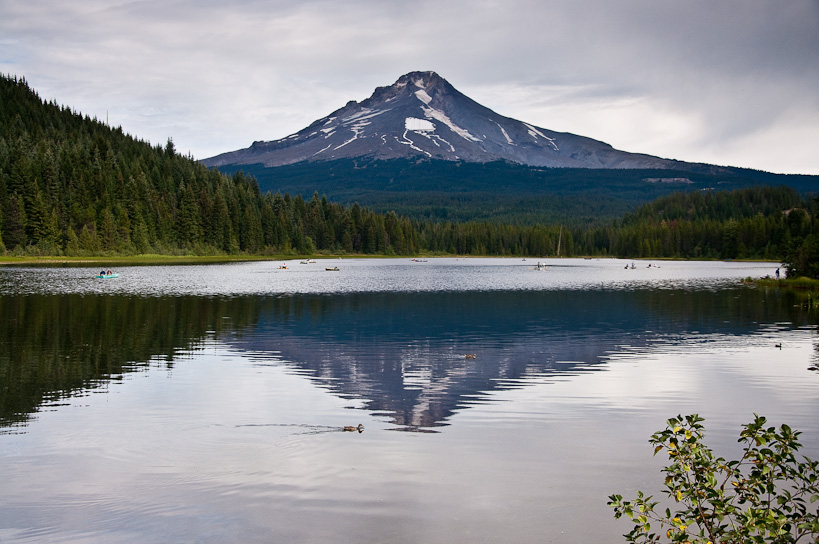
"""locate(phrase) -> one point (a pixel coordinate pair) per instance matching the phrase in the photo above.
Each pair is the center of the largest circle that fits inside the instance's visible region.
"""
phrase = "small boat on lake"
(107, 276)
(331, 269)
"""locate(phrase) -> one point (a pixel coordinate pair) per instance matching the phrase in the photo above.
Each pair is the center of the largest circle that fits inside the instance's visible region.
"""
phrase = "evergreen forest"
(72, 185)
(502, 192)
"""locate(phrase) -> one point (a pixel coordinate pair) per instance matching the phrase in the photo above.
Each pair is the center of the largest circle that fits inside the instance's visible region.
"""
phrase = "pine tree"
(14, 223)
(108, 231)
(89, 242)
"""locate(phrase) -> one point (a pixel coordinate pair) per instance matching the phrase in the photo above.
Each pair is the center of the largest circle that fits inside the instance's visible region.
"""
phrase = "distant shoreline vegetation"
(71, 186)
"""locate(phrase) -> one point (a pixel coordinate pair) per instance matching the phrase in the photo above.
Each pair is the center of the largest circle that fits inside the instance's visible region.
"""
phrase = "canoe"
(333, 269)
(106, 276)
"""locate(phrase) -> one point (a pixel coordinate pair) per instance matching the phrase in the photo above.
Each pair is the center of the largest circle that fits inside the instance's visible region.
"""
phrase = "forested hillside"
(756, 223)
(759, 223)
(72, 185)
(502, 192)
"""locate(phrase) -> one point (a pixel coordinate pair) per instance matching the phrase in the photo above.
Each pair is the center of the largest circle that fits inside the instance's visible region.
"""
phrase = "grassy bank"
(137, 260)
(801, 283)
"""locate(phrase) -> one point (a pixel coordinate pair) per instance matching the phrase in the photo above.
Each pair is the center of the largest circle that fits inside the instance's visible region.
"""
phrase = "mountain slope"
(422, 116)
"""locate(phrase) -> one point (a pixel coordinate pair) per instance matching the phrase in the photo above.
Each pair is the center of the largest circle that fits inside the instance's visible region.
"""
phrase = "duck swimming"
(348, 428)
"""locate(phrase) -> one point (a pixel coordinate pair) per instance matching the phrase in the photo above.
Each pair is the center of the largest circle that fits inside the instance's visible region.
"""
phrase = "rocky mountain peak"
(423, 116)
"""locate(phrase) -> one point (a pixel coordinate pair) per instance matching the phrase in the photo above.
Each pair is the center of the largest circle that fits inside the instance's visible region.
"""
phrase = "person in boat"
(102, 272)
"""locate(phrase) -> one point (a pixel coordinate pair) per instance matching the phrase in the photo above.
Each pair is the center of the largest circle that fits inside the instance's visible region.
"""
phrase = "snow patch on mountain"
(365, 113)
(323, 150)
(534, 133)
(415, 124)
(505, 135)
(425, 128)
(423, 96)
(436, 139)
(407, 141)
(438, 115)
(357, 129)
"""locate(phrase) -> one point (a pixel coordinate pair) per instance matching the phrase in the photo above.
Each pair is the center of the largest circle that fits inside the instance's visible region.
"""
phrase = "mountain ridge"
(422, 116)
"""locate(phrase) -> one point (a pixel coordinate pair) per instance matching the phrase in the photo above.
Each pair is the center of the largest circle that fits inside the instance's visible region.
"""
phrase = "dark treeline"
(756, 223)
(71, 185)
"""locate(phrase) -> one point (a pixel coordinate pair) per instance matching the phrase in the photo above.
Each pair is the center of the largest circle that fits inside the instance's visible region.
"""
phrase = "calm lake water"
(206, 403)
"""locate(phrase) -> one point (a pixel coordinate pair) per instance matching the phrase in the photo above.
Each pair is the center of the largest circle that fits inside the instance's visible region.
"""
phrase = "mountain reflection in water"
(402, 354)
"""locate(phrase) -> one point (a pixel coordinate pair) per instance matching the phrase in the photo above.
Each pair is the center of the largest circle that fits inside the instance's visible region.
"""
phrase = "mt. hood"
(422, 116)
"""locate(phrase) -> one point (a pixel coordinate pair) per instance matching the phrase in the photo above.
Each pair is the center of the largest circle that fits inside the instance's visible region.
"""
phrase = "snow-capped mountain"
(422, 115)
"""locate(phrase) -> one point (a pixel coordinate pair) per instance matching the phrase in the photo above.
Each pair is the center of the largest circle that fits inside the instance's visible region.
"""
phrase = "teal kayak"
(106, 276)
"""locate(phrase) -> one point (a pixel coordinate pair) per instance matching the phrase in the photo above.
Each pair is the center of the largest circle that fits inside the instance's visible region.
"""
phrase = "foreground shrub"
(767, 496)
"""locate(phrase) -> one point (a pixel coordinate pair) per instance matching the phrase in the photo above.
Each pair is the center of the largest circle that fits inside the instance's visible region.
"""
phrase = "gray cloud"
(732, 82)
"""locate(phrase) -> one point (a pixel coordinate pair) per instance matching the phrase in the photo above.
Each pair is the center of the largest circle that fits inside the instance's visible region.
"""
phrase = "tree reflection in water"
(403, 353)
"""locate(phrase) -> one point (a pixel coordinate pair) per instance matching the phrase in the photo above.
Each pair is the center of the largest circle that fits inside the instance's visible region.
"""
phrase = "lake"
(499, 402)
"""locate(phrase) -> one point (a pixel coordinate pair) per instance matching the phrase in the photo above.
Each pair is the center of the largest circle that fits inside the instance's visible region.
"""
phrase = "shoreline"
(157, 259)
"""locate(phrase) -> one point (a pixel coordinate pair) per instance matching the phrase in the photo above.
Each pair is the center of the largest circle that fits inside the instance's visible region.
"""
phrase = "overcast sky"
(731, 82)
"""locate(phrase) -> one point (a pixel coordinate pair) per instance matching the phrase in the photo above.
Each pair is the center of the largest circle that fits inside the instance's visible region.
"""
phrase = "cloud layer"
(729, 83)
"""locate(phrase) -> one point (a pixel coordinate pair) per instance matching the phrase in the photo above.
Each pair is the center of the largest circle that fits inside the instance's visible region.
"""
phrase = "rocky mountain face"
(422, 116)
